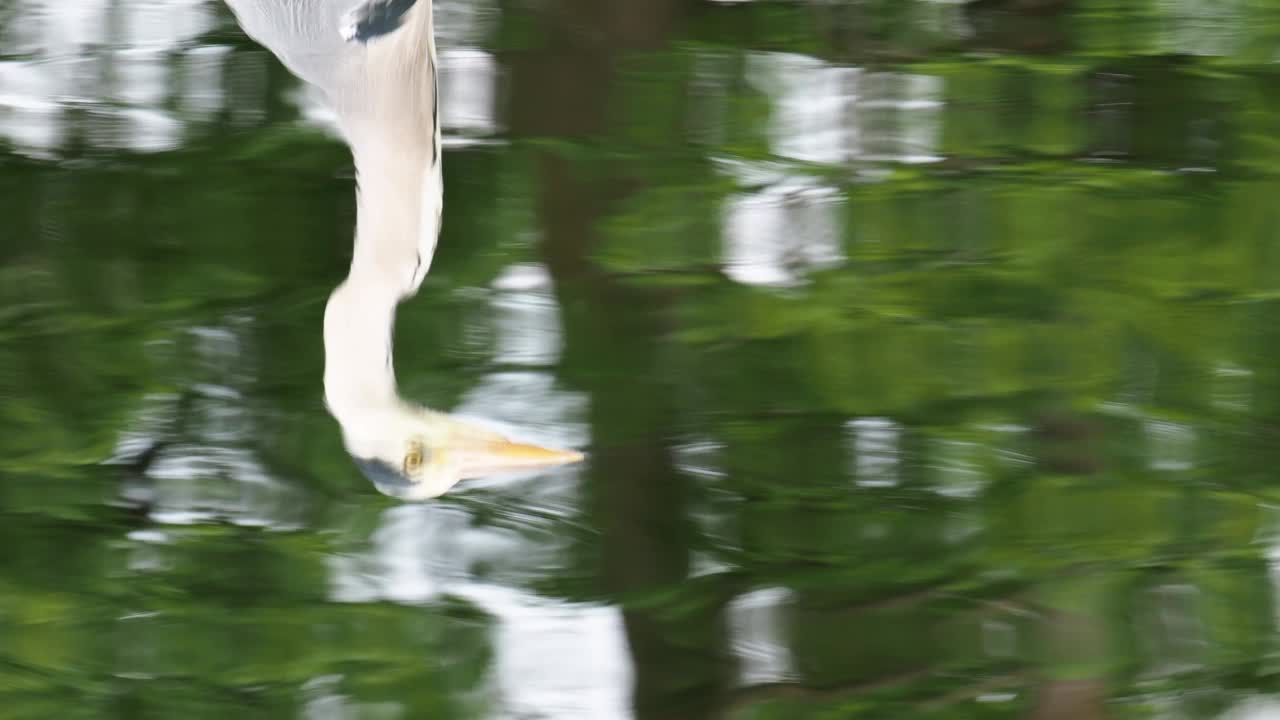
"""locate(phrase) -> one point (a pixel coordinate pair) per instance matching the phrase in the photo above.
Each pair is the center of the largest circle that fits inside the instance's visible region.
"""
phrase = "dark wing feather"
(374, 18)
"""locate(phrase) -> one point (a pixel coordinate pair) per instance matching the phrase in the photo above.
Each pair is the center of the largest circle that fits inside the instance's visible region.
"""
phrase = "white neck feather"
(389, 117)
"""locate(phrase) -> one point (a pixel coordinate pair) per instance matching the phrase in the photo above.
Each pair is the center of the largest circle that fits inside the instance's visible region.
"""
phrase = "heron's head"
(413, 453)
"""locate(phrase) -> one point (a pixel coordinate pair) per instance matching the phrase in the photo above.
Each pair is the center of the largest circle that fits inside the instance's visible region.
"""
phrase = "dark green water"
(927, 355)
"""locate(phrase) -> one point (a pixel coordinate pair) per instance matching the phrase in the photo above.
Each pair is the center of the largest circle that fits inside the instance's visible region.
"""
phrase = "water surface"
(926, 355)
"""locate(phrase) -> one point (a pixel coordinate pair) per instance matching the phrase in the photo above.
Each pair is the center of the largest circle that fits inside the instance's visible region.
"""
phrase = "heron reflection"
(375, 61)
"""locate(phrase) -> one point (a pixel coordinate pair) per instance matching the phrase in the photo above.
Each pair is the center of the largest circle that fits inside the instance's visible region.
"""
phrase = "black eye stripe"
(384, 477)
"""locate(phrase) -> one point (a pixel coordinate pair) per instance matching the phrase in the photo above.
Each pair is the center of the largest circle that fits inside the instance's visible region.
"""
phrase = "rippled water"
(925, 352)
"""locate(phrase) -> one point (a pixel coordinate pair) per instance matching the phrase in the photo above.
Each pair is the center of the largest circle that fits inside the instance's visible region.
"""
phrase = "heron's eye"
(413, 459)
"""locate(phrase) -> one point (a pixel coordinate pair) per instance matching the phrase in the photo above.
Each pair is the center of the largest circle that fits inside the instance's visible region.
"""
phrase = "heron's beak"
(480, 453)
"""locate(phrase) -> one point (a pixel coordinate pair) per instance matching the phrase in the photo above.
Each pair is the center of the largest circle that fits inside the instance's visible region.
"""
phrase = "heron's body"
(375, 60)
(383, 90)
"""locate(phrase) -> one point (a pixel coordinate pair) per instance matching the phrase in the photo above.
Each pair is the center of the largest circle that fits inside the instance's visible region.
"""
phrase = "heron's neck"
(397, 215)
(394, 134)
(359, 321)
(388, 114)
(397, 222)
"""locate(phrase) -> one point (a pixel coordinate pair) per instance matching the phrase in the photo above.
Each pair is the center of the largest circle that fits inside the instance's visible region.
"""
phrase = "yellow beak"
(480, 453)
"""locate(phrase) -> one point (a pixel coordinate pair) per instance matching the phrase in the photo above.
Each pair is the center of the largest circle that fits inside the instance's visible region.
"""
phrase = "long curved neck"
(393, 126)
(359, 321)
(389, 116)
(397, 216)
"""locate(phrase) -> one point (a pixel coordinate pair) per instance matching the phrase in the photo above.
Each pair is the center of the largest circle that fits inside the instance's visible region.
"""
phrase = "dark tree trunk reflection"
(638, 501)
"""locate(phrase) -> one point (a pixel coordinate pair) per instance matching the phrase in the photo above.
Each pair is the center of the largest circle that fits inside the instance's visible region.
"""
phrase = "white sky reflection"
(553, 659)
(468, 87)
(209, 470)
(777, 235)
(526, 317)
(526, 403)
(1254, 708)
(812, 104)
(758, 636)
(556, 660)
(117, 60)
(835, 114)
(112, 57)
(874, 448)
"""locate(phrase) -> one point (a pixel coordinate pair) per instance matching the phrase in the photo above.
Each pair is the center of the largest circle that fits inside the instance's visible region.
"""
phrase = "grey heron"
(375, 61)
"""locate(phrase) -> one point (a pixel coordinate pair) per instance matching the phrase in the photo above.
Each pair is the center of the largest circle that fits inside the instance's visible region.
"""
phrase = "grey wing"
(307, 35)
